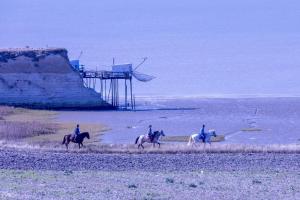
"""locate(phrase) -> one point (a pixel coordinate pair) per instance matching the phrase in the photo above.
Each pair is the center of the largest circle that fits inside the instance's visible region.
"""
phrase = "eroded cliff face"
(43, 78)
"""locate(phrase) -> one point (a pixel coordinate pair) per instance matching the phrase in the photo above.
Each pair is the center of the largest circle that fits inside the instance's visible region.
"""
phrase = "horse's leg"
(79, 145)
(194, 144)
(158, 144)
(141, 143)
(67, 144)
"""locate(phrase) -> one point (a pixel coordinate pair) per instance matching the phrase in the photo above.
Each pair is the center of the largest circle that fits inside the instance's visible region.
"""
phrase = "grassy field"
(199, 184)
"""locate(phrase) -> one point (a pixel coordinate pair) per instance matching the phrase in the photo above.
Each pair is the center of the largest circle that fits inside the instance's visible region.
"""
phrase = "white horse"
(144, 138)
(195, 138)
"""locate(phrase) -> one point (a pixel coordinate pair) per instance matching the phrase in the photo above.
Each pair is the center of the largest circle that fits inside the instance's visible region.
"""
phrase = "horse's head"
(213, 132)
(158, 133)
(86, 134)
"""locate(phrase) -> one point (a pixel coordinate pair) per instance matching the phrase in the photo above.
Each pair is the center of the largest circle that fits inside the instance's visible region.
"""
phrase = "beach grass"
(185, 138)
(40, 127)
(251, 129)
(165, 148)
(176, 148)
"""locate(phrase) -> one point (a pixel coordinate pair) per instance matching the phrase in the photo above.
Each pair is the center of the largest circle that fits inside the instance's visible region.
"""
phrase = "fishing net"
(142, 77)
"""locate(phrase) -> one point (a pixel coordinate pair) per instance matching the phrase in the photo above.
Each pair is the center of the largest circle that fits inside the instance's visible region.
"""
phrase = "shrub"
(19, 130)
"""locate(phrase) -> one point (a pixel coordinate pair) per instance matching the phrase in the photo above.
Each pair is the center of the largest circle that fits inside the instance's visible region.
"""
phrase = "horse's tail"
(190, 141)
(137, 139)
(64, 140)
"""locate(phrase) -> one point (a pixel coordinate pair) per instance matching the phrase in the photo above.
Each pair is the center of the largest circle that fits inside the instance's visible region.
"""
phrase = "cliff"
(43, 78)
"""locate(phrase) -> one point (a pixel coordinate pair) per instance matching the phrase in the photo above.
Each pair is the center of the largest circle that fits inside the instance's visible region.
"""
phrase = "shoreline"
(108, 107)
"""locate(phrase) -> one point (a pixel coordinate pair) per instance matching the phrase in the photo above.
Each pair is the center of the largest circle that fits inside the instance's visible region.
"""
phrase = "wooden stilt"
(109, 91)
(105, 89)
(101, 88)
(125, 94)
(131, 92)
(117, 93)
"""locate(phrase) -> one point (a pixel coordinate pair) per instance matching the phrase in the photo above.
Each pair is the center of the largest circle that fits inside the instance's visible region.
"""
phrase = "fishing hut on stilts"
(108, 83)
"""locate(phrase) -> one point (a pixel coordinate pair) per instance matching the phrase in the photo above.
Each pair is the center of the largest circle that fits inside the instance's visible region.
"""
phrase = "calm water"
(195, 47)
(278, 119)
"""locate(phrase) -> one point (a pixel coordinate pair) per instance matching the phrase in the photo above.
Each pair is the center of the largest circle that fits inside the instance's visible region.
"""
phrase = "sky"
(194, 47)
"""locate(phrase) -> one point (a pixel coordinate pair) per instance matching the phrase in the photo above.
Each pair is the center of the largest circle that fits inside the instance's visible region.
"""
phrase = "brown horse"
(79, 139)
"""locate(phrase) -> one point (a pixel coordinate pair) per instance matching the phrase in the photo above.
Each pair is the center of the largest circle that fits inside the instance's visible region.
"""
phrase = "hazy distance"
(194, 47)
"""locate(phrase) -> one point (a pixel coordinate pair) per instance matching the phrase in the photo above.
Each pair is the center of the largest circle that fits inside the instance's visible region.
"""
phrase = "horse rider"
(76, 133)
(202, 133)
(150, 133)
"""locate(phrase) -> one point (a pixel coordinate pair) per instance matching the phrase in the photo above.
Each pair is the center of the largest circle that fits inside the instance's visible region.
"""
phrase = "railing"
(106, 74)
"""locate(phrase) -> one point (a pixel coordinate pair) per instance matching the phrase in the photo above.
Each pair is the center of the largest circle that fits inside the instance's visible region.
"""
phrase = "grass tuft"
(132, 186)
(256, 182)
(68, 172)
(170, 180)
(192, 185)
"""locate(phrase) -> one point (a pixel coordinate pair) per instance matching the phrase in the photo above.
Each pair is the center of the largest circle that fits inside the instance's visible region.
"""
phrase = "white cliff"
(43, 78)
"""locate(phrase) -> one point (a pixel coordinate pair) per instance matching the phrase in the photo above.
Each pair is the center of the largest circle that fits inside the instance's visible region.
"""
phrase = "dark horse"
(79, 139)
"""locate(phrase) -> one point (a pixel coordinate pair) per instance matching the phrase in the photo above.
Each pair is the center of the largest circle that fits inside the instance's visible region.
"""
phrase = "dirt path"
(42, 160)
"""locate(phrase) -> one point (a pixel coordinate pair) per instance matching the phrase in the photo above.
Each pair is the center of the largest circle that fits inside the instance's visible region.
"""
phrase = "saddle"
(73, 138)
(202, 137)
(151, 137)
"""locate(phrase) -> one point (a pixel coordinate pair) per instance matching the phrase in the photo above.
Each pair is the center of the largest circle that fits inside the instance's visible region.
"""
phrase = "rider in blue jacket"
(202, 133)
(150, 133)
(76, 132)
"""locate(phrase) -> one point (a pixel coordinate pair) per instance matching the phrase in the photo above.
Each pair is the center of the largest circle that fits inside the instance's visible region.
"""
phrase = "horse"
(145, 138)
(79, 139)
(197, 137)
